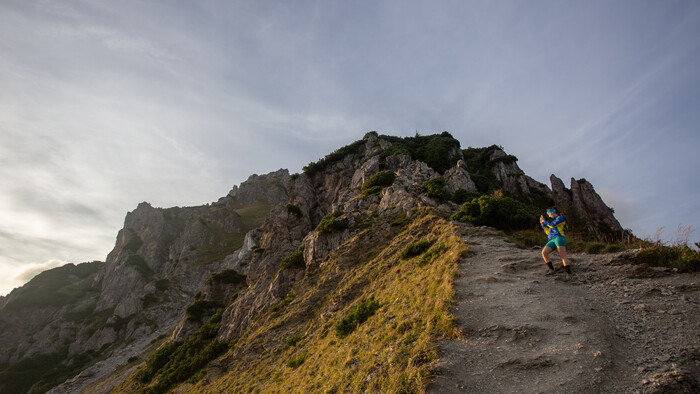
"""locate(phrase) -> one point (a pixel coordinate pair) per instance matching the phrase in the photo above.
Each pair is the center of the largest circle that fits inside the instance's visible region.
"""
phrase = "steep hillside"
(98, 314)
(337, 278)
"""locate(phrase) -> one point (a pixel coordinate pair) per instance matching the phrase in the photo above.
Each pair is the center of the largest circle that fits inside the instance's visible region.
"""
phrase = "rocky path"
(613, 329)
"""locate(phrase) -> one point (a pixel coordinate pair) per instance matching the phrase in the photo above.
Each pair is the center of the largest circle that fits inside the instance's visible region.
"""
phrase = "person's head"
(552, 212)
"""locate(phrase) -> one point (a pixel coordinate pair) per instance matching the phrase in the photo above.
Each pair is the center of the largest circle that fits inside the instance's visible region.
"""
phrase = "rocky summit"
(343, 278)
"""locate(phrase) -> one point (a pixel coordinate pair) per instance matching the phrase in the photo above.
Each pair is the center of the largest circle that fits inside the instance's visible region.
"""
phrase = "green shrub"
(283, 304)
(198, 308)
(435, 189)
(504, 213)
(162, 284)
(177, 362)
(436, 150)
(461, 196)
(378, 181)
(358, 314)
(258, 250)
(41, 372)
(227, 276)
(680, 257)
(594, 247)
(297, 361)
(293, 260)
(291, 208)
(415, 248)
(433, 252)
(330, 223)
(293, 340)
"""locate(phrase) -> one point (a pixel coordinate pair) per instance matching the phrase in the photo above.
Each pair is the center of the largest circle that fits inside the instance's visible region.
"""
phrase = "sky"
(105, 104)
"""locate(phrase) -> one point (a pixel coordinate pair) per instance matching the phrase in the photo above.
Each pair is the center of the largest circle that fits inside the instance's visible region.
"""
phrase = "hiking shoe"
(568, 278)
(551, 272)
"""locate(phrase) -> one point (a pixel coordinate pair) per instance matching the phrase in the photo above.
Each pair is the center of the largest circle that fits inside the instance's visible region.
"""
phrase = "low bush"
(227, 276)
(198, 308)
(377, 182)
(291, 208)
(176, 362)
(504, 213)
(293, 340)
(415, 248)
(435, 189)
(293, 260)
(297, 361)
(680, 257)
(433, 252)
(330, 223)
(358, 314)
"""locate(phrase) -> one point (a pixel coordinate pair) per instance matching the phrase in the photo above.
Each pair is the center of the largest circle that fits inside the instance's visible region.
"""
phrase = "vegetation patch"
(377, 182)
(162, 284)
(358, 314)
(297, 361)
(415, 248)
(435, 188)
(293, 260)
(198, 308)
(437, 150)
(680, 257)
(291, 208)
(227, 276)
(41, 372)
(284, 303)
(177, 362)
(293, 340)
(331, 223)
(503, 213)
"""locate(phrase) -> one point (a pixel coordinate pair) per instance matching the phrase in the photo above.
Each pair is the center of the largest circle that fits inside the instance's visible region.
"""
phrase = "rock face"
(270, 187)
(583, 200)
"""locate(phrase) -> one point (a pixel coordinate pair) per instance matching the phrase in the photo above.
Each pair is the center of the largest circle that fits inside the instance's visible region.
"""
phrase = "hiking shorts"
(554, 243)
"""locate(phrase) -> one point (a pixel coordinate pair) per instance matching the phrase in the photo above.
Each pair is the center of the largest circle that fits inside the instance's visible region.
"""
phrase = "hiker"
(555, 239)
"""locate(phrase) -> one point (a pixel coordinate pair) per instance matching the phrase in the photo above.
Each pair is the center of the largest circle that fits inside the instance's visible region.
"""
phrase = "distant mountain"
(262, 289)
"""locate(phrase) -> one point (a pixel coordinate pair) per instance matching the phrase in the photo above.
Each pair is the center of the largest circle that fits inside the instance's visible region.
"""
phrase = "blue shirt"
(555, 228)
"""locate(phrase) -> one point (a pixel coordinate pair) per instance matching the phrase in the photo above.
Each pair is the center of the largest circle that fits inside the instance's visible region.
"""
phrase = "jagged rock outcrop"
(586, 204)
(271, 188)
(458, 178)
(513, 179)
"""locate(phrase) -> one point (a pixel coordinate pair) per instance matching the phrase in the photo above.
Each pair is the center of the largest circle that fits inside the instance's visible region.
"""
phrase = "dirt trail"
(616, 328)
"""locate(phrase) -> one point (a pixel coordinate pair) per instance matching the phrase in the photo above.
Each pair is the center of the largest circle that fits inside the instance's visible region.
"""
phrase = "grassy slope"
(296, 349)
(394, 350)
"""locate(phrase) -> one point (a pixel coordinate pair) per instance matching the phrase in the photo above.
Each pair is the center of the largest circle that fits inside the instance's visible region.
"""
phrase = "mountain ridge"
(164, 260)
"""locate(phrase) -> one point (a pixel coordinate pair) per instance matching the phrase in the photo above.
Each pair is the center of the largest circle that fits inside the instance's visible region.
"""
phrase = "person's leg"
(562, 253)
(545, 255)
